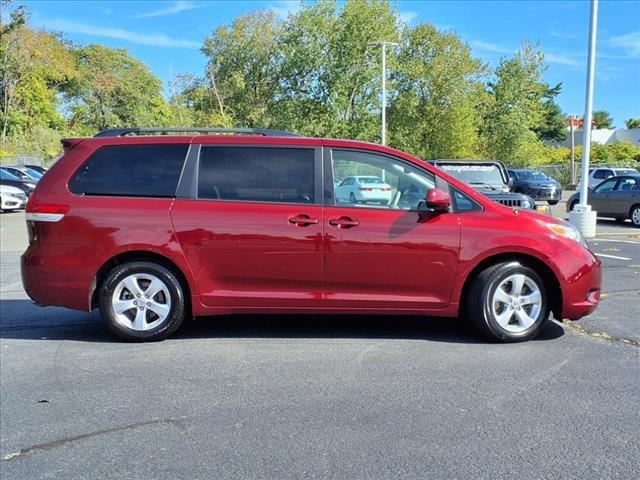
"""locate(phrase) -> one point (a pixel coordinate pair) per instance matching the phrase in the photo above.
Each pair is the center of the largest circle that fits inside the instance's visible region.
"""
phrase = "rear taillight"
(364, 189)
(44, 212)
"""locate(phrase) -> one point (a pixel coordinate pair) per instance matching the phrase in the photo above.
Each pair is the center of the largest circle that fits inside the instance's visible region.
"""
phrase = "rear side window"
(131, 170)
(257, 174)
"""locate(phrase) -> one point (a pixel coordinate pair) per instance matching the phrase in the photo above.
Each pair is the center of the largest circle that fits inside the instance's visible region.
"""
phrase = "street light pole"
(582, 216)
(384, 45)
(572, 128)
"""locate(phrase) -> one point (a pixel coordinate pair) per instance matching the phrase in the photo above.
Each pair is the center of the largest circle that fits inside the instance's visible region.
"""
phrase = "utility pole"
(582, 216)
(384, 45)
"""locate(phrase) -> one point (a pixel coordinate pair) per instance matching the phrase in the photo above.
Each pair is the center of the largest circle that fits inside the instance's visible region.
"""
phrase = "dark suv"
(536, 184)
(488, 177)
(155, 229)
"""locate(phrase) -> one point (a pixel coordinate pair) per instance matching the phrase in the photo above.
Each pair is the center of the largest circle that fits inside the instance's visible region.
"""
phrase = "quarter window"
(131, 171)
(257, 174)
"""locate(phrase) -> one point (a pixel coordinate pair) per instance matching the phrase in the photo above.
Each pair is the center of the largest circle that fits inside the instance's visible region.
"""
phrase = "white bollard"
(584, 219)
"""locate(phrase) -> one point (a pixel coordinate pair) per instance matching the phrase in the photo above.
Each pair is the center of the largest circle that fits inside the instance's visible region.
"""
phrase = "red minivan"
(152, 229)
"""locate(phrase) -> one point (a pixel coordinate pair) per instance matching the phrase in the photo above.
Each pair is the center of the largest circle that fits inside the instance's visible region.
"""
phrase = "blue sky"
(167, 35)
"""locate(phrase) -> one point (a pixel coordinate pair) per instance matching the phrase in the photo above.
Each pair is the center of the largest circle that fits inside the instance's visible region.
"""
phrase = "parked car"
(363, 189)
(489, 177)
(219, 223)
(536, 185)
(37, 168)
(23, 173)
(11, 198)
(616, 197)
(598, 174)
(11, 180)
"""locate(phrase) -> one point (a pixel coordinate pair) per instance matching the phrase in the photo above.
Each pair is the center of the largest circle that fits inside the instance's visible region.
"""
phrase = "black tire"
(572, 205)
(177, 310)
(552, 202)
(352, 198)
(634, 215)
(479, 303)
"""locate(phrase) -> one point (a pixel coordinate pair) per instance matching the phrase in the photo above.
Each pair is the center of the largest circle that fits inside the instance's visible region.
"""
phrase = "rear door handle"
(302, 220)
(343, 222)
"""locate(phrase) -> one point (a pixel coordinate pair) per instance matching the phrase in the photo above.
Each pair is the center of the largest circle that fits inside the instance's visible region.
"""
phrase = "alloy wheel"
(516, 303)
(141, 302)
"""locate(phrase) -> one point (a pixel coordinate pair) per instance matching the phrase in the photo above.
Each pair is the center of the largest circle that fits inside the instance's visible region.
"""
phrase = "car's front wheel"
(142, 301)
(635, 215)
(508, 302)
(553, 202)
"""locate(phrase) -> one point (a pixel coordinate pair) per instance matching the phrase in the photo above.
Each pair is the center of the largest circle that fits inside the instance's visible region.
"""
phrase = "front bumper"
(545, 193)
(580, 274)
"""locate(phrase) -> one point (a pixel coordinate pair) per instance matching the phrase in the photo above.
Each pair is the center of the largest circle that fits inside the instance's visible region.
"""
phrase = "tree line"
(312, 73)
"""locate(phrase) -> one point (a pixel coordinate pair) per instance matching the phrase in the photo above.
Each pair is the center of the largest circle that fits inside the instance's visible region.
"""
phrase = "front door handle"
(302, 220)
(344, 222)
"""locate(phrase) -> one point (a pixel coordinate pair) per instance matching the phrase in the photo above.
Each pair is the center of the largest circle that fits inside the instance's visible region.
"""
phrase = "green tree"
(114, 89)
(516, 107)
(243, 70)
(602, 119)
(35, 67)
(551, 126)
(632, 123)
(434, 112)
(330, 77)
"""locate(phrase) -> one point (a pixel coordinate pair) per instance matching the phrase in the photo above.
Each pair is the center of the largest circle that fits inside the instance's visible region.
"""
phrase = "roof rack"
(121, 132)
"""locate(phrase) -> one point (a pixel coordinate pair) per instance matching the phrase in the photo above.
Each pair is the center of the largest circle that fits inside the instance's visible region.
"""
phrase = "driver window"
(382, 182)
(606, 186)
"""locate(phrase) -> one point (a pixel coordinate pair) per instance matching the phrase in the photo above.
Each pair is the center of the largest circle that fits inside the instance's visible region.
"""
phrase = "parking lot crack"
(178, 423)
(601, 335)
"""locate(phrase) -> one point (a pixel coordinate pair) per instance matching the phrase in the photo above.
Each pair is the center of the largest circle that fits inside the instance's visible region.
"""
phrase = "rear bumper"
(58, 275)
(580, 276)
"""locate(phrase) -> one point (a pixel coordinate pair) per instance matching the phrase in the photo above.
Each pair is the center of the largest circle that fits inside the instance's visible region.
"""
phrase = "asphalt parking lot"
(321, 397)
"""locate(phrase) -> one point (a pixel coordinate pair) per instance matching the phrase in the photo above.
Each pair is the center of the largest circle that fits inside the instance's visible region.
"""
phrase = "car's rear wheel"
(142, 301)
(508, 302)
(352, 198)
(635, 215)
(572, 205)
(553, 202)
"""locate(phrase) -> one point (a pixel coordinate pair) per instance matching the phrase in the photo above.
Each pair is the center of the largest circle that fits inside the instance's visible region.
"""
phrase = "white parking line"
(615, 257)
(631, 233)
(616, 241)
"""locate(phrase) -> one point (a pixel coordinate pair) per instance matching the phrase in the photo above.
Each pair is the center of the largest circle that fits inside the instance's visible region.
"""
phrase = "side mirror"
(438, 200)
(510, 183)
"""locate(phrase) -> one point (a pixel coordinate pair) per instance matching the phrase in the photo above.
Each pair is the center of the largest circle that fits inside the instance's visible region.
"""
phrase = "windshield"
(4, 175)
(531, 176)
(34, 173)
(474, 174)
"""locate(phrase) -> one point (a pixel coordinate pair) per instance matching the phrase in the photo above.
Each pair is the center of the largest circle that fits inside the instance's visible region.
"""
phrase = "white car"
(363, 189)
(599, 174)
(12, 198)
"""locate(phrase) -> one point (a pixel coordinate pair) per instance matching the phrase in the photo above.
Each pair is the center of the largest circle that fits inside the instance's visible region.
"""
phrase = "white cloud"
(565, 35)
(407, 17)
(175, 7)
(490, 47)
(562, 60)
(284, 8)
(629, 42)
(153, 39)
